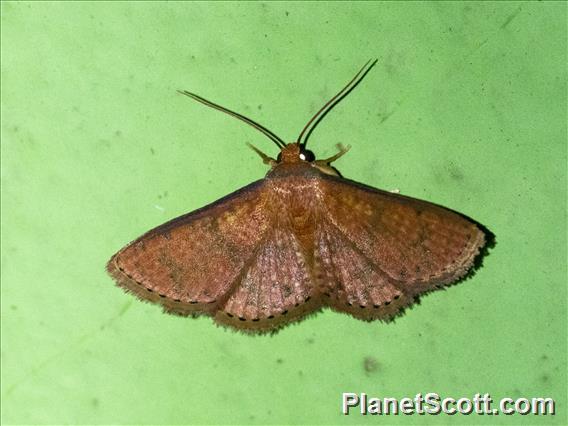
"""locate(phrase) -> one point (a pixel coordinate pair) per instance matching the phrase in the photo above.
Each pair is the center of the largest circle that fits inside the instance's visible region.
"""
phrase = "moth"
(300, 239)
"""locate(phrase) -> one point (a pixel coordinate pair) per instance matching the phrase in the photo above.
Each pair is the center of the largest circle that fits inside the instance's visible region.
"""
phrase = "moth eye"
(307, 155)
(279, 158)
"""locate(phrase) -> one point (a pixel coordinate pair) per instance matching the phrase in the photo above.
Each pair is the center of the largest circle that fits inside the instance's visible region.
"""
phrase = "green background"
(466, 107)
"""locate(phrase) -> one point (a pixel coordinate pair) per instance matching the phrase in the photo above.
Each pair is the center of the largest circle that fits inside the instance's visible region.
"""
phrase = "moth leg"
(342, 150)
(265, 158)
(324, 165)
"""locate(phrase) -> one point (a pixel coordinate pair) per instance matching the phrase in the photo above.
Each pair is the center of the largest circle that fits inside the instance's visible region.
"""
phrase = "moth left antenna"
(279, 142)
(315, 120)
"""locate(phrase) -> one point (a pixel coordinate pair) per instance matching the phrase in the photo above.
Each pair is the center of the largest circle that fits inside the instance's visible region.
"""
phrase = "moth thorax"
(301, 216)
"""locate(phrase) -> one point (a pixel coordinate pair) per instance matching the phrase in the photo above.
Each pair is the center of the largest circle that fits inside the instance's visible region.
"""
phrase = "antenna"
(315, 120)
(279, 142)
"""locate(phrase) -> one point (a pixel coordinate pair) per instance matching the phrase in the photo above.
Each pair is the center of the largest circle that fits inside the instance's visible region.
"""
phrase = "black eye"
(307, 155)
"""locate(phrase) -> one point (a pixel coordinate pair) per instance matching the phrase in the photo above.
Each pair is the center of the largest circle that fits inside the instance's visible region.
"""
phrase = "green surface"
(466, 107)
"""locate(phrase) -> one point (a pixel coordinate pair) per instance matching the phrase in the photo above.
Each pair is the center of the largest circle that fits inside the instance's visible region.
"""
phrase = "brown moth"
(300, 239)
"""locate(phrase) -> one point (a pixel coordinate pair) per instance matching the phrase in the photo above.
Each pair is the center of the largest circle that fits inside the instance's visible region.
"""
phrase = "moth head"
(295, 153)
(306, 154)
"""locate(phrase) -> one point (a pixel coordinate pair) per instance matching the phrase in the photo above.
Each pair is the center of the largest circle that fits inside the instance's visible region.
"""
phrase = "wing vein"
(372, 263)
(239, 278)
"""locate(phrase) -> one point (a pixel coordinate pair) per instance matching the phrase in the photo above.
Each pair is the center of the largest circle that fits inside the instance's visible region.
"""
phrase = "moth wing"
(191, 264)
(382, 249)
(349, 281)
(276, 286)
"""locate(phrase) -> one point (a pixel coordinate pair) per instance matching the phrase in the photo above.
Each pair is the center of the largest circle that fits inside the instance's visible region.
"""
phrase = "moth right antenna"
(315, 120)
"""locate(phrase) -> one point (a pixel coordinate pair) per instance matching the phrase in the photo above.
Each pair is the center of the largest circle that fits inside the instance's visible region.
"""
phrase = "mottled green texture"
(466, 107)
